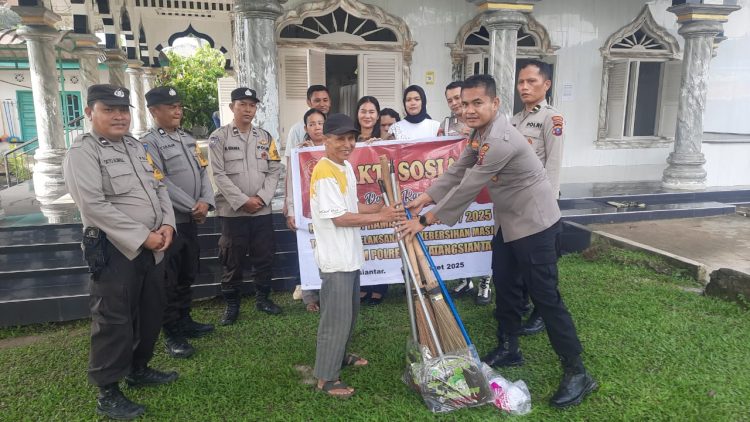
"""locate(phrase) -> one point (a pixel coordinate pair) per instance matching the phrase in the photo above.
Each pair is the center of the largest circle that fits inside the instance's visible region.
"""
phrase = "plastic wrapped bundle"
(512, 397)
(452, 381)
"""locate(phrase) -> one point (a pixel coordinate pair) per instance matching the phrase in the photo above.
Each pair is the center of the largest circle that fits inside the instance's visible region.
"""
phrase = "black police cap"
(108, 94)
(162, 95)
(244, 93)
(339, 124)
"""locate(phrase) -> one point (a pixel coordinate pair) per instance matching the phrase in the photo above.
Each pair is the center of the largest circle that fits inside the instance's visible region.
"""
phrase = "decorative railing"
(19, 161)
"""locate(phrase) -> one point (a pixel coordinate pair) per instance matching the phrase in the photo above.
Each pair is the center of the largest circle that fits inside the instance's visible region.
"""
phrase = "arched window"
(338, 25)
(471, 50)
(127, 39)
(640, 85)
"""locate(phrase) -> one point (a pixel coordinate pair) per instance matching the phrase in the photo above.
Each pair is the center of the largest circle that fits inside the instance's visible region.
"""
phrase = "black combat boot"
(506, 354)
(174, 341)
(264, 304)
(113, 404)
(576, 384)
(533, 325)
(145, 376)
(193, 329)
(232, 311)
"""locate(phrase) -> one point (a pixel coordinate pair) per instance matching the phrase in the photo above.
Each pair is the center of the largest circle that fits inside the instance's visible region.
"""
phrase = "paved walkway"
(716, 242)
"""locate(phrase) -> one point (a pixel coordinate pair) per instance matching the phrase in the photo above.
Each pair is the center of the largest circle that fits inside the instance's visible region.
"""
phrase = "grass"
(657, 351)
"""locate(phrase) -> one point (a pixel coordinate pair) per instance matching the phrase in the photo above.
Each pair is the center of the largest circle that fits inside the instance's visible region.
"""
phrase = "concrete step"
(589, 212)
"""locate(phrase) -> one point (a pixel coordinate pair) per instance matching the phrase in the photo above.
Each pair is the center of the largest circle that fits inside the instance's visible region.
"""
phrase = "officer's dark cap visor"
(108, 94)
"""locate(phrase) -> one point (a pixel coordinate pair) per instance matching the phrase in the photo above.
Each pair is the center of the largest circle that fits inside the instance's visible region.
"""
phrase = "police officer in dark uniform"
(542, 125)
(246, 166)
(177, 156)
(128, 225)
(527, 222)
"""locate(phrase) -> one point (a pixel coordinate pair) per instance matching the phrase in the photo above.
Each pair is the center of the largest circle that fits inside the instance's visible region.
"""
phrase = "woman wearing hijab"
(417, 124)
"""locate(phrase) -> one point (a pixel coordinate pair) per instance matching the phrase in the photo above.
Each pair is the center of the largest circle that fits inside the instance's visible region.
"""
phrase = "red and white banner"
(463, 250)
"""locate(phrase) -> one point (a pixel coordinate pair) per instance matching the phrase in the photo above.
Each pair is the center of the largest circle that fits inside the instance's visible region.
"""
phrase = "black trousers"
(249, 238)
(127, 302)
(531, 262)
(182, 266)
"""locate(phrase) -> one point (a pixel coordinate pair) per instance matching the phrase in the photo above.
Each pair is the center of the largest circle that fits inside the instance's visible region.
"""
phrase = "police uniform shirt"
(501, 160)
(243, 165)
(116, 190)
(543, 129)
(177, 156)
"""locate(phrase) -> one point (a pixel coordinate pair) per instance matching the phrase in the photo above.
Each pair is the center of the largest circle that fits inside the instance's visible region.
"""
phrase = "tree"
(195, 78)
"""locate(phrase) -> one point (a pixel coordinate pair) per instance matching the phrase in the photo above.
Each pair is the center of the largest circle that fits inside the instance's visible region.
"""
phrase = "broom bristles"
(451, 337)
(423, 330)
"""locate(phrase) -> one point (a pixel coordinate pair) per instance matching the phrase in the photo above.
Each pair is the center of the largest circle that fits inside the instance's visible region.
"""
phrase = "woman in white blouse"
(417, 124)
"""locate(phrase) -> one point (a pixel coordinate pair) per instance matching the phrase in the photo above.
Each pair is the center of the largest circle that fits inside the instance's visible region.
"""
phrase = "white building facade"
(617, 67)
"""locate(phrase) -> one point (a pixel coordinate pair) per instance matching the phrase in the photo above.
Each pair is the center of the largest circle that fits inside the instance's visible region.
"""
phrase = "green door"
(70, 102)
(26, 116)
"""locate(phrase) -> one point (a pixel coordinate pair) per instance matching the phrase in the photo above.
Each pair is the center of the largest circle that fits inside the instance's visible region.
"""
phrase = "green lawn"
(657, 351)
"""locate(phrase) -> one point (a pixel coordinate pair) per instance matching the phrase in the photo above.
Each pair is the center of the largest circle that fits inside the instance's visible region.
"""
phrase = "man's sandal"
(329, 387)
(353, 360)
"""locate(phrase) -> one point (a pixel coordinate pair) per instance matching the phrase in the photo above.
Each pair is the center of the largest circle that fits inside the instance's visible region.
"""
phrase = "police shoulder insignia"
(199, 155)
(213, 140)
(482, 153)
(273, 153)
(557, 125)
(158, 175)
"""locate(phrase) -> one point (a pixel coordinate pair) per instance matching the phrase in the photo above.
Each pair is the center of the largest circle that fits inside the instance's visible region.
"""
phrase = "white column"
(148, 81)
(503, 26)
(41, 37)
(699, 24)
(116, 64)
(256, 56)
(137, 98)
(88, 57)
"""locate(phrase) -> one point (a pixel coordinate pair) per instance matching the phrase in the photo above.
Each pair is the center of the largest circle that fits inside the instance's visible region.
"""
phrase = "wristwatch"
(423, 220)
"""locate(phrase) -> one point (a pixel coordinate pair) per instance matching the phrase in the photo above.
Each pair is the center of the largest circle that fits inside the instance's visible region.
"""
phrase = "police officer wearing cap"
(527, 223)
(542, 126)
(246, 168)
(177, 156)
(128, 225)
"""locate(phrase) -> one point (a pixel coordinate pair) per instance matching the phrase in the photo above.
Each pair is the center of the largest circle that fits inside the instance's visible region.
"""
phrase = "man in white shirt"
(317, 98)
(337, 216)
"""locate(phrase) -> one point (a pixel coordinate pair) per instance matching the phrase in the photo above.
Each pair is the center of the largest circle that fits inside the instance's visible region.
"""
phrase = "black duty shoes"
(149, 376)
(502, 357)
(266, 305)
(575, 385)
(178, 347)
(113, 404)
(533, 325)
(232, 311)
(193, 329)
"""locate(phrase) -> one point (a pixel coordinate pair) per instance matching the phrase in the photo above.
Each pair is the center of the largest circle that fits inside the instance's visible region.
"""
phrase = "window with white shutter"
(381, 78)
(617, 94)
(668, 97)
(225, 87)
(294, 82)
(640, 86)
